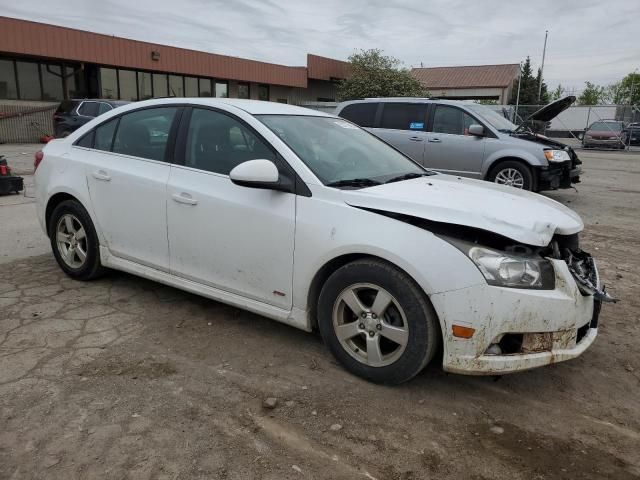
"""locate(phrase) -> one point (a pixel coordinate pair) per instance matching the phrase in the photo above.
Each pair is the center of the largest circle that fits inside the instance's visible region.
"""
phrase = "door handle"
(101, 175)
(184, 198)
(415, 139)
(435, 140)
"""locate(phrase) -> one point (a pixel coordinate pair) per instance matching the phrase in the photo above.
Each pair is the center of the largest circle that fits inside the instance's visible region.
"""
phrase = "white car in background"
(307, 219)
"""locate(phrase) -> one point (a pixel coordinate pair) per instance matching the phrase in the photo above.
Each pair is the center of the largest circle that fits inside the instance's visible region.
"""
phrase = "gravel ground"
(125, 378)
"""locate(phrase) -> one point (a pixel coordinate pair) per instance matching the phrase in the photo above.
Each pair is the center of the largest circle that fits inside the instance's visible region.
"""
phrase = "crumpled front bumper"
(557, 325)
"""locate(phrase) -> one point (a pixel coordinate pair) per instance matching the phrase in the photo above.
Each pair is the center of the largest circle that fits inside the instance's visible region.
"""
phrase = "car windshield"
(606, 126)
(340, 153)
(493, 118)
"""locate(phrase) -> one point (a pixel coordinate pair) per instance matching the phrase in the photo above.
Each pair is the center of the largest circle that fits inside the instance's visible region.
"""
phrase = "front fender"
(512, 154)
(326, 230)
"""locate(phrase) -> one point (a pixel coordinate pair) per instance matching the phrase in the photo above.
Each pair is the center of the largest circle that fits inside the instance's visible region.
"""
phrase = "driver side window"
(217, 143)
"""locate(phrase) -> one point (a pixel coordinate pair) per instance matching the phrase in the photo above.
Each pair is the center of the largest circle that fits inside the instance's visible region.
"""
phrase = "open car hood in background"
(551, 110)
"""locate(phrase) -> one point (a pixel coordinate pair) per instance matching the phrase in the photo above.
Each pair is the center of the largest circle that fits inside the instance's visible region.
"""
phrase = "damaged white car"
(307, 219)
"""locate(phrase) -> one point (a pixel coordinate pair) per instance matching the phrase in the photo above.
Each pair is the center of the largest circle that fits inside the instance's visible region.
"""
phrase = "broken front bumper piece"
(532, 328)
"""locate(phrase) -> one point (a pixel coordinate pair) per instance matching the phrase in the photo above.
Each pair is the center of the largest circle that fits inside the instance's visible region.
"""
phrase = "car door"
(451, 149)
(127, 173)
(403, 126)
(230, 237)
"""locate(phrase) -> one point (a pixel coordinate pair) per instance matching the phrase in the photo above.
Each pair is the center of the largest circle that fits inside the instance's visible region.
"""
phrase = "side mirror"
(256, 174)
(476, 130)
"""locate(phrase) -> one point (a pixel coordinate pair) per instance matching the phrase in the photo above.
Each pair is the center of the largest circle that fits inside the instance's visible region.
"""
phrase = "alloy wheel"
(71, 239)
(510, 177)
(370, 324)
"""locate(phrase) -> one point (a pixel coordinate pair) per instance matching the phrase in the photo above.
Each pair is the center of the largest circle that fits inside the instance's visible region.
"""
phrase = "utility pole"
(515, 116)
(544, 51)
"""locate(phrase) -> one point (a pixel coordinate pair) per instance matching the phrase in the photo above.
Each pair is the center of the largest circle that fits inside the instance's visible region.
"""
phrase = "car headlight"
(509, 269)
(556, 155)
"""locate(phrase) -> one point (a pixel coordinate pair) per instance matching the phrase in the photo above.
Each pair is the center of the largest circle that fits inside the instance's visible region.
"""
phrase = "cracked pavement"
(127, 378)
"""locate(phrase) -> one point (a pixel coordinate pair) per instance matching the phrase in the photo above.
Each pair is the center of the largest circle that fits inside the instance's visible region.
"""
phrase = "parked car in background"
(631, 134)
(471, 140)
(604, 133)
(72, 114)
(391, 261)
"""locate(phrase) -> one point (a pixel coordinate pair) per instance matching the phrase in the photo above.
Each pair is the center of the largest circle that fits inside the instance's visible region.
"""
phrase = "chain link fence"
(25, 123)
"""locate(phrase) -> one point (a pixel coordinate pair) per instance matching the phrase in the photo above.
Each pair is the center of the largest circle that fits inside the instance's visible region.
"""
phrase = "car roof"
(443, 101)
(254, 107)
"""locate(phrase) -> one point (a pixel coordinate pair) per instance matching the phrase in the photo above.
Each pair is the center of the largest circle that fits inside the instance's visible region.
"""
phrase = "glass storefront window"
(176, 89)
(190, 87)
(7, 80)
(51, 82)
(243, 90)
(128, 86)
(263, 92)
(108, 83)
(73, 77)
(29, 81)
(160, 85)
(144, 86)
(205, 87)
(222, 90)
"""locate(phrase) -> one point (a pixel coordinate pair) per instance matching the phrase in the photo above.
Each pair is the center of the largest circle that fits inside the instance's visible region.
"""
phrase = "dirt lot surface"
(125, 378)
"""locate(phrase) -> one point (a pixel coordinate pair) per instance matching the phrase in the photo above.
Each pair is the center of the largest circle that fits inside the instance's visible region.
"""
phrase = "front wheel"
(513, 174)
(377, 322)
(74, 241)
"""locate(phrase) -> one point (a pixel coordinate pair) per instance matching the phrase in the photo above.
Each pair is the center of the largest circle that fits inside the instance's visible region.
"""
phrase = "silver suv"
(471, 140)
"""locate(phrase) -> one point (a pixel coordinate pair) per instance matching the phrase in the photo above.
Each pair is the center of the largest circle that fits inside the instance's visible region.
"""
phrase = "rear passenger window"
(103, 108)
(217, 143)
(403, 116)
(452, 120)
(87, 140)
(88, 109)
(104, 135)
(362, 114)
(144, 133)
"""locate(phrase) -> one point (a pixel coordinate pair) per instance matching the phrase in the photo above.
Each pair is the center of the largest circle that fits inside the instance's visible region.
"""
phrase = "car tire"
(74, 241)
(512, 171)
(388, 348)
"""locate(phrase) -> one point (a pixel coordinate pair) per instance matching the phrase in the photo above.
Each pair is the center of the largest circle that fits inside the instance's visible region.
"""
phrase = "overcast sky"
(592, 40)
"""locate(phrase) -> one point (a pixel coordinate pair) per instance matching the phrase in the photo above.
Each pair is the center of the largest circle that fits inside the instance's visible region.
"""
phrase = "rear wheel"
(513, 174)
(377, 322)
(74, 241)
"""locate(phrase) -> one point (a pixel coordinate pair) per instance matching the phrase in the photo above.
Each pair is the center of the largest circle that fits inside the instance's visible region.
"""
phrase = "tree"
(592, 94)
(376, 75)
(558, 92)
(529, 87)
(626, 91)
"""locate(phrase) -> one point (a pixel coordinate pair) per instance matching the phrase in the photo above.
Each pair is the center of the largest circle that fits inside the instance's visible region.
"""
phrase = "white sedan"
(307, 219)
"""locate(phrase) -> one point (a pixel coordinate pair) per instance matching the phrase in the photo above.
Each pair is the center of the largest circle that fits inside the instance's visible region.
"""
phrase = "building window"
(128, 86)
(263, 92)
(28, 81)
(144, 86)
(205, 87)
(176, 87)
(190, 87)
(7, 80)
(160, 85)
(51, 82)
(222, 90)
(74, 81)
(108, 83)
(243, 90)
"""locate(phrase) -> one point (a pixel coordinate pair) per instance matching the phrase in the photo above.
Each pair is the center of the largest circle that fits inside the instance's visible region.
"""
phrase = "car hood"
(516, 214)
(604, 133)
(551, 110)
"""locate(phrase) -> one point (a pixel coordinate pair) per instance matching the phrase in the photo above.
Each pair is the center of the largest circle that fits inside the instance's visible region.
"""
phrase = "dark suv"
(72, 114)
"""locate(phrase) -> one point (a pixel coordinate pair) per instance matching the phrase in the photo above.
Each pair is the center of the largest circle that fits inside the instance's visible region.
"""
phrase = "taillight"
(4, 170)
(37, 159)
